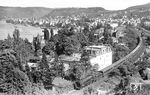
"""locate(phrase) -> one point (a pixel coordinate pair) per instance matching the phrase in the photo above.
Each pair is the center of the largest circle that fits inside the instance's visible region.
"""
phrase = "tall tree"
(12, 78)
(36, 44)
(16, 36)
(44, 62)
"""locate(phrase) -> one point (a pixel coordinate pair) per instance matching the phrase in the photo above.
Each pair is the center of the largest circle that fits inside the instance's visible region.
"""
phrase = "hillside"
(139, 10)
(134, 11)
(28, 12)
(93, 11)
(140, 7)
(23, 12)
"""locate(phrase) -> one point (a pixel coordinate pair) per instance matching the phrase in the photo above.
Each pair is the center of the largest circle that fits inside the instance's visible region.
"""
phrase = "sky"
(107, 4)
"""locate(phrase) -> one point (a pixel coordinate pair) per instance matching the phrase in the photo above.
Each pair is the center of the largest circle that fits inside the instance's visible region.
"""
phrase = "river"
(25, 31)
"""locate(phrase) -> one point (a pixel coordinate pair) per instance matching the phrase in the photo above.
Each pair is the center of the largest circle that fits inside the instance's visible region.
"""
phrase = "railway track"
(131, 57)
(146, 32)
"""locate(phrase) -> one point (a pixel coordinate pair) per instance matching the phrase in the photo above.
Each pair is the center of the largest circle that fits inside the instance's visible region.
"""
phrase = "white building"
(100, 56)
(114, 25)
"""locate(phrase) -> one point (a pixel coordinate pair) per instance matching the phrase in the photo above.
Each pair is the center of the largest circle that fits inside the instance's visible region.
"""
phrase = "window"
(84, 51)
(103, 51)
(100, 51)
(94, 52)
(89, 51)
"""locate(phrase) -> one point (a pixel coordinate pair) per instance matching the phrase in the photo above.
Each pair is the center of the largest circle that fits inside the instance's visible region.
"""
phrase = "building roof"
(96, 47)
(114, 25)
(32, 64)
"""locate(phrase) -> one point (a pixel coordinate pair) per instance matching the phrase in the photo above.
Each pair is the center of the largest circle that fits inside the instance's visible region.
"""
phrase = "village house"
(114, 25)
(33, 63)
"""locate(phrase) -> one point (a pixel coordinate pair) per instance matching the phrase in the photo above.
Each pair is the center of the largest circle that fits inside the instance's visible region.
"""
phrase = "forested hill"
(93, 11)
(28, 12)
(140, 7)
(23, 12)
(139, 10)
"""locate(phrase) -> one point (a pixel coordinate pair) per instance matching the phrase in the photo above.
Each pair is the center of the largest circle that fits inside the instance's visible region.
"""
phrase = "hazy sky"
(107, 4)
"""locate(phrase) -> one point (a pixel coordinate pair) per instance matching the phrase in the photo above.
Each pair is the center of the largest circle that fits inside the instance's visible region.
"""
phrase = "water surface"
(25, 31)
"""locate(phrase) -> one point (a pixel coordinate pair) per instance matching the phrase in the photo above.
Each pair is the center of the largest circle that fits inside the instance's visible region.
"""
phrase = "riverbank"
(25, 31)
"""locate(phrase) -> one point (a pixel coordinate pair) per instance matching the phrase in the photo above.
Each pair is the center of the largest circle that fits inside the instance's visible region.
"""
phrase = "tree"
(46, 34)
(24, 50)
(123, 70)
(16, 37)
(120, 52)
(71, 45)
(122, 86)
(50, 46)
(9, 41)
(36, 44)
(67, 44)
(142, 65)
(58, 68)
(44, 62)
(13, 80)
(130, 38)
(82, 39)
(84, 57)
(107, 35)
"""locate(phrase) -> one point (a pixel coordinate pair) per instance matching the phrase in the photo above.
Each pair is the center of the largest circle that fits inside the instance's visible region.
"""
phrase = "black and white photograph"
(74, 47)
